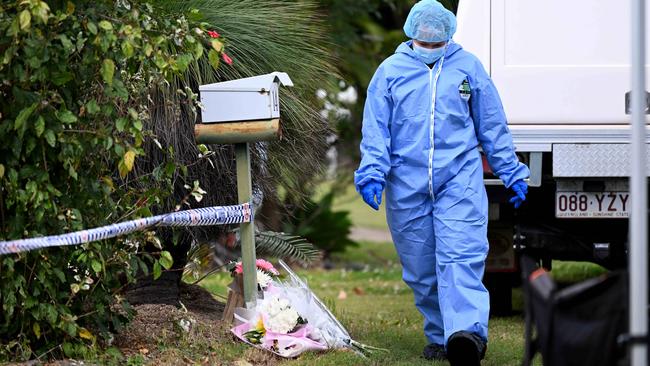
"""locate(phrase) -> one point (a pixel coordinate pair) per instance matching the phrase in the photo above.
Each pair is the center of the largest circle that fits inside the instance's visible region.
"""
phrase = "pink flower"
(260, 264)
(266, 266)
(213, 34)
(226, 59)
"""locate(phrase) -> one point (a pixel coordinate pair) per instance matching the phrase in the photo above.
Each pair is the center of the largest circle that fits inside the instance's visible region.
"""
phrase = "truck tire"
(499, 285)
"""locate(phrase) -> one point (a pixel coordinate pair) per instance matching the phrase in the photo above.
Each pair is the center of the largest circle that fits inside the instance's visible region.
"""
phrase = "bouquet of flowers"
(278, 324)
(265, 272)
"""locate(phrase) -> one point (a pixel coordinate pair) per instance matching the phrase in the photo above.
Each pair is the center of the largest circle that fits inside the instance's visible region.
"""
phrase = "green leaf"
(68, 349)
(92, 107)
(51, 314)
(122, 169)
(120, 124)
(120, 90)
(148, 50)
(137, 124)
(24, 115)
(105, 25)
(50, 138)
(66, 116)
(59, 274)
(2, 171)
(25, 19)
(92, 28)
(166, 259)
(198, 50)
(160, 62)
(14, 28)
(96, 265)
(108, 71)
(157, 271)
(65, 41)
(213, 58)
(37, 330)
(127, 49)
(42, 11)
(133, 113)
(8, 55)
(183, 61)
(61, 77)
(39, 126)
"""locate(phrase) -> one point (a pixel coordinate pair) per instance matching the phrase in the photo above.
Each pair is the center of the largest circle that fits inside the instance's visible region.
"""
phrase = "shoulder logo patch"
(465, 90)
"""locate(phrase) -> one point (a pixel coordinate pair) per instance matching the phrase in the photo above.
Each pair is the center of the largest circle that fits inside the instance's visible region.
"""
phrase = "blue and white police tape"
(221, 215)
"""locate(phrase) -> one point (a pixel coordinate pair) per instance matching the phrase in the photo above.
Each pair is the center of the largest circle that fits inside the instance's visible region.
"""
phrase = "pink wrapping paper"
(288, 345)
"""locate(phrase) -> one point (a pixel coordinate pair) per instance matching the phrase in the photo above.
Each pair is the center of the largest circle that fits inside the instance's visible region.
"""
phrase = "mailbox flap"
(255, 83)
(283, 78)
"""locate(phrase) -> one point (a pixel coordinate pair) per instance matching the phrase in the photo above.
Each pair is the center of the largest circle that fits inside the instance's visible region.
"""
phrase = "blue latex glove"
(371, 190)
(521, 190)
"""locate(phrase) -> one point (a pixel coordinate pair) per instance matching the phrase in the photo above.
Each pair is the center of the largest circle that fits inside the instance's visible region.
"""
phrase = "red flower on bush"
(213, 34)
(226, 59)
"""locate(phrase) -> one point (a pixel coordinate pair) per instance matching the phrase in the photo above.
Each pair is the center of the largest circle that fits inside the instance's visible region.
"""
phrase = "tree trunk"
(165, 289)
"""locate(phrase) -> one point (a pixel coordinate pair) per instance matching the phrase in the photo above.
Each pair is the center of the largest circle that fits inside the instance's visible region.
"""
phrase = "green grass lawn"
(378, 310)
(347, 199)
(378, 307)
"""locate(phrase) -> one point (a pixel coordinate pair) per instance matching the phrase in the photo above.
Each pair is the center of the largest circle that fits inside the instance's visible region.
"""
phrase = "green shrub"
(74, 84)
(324, 227)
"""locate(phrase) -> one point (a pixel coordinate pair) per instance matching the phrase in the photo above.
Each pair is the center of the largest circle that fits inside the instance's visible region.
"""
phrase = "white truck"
(563, 72)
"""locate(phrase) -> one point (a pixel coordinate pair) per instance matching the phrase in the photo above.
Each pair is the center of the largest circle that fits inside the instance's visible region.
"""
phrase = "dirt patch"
(187, 335)
(158, 331)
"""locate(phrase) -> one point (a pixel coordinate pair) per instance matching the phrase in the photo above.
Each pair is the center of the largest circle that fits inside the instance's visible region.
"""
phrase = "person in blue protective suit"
(429, 108)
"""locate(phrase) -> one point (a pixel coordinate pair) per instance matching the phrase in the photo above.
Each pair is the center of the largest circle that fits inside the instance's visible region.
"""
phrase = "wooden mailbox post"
(239, 112)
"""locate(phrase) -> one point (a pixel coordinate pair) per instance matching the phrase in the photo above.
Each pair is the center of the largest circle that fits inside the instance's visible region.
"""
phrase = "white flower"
(263, 279)
(321, 94)
(185, 325)
(280, 317)
(283, 322)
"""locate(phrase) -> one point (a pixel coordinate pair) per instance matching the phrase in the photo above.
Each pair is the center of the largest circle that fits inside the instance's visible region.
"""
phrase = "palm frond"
(284, 246)
(201, 256)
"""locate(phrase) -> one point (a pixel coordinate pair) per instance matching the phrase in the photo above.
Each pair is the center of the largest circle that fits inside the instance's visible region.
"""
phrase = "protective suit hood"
(405, 48)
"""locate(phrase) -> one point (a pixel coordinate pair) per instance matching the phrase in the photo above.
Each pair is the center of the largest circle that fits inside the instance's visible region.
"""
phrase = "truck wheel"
(500, 287)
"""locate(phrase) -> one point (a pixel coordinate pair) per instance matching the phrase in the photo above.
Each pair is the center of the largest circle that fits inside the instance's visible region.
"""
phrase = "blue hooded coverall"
(422, 128)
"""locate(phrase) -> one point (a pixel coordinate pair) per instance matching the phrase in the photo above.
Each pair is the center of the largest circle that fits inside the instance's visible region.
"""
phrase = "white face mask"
(429, 55)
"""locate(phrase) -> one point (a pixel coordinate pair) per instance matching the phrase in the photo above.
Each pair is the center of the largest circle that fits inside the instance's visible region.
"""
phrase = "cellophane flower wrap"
(289, 319)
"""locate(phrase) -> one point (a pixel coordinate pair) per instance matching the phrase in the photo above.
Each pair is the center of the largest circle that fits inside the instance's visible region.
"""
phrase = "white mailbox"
(238, 112)
(250, 99)
(243, 110)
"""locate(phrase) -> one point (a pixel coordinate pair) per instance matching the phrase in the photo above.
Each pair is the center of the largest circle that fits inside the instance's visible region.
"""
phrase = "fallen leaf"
(359, 291)
(144, 351)
(85, 333)
(342, 295)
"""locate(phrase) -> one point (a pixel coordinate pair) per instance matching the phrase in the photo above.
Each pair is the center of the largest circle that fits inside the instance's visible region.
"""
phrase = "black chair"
(575, 325)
